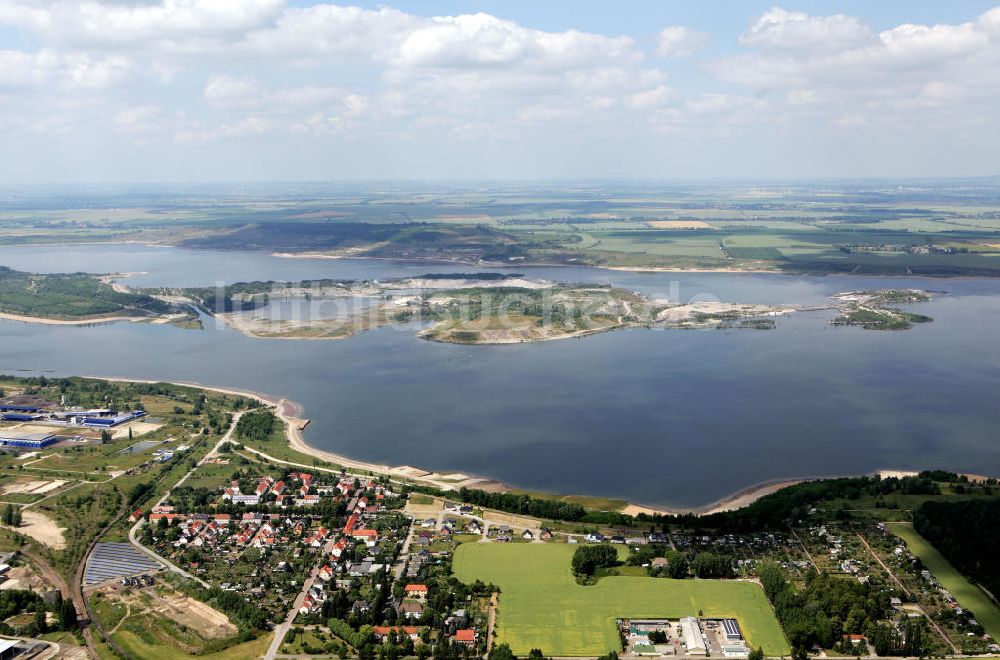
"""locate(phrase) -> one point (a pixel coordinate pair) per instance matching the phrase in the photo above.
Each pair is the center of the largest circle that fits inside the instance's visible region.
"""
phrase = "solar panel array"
(731, 627)
(116, 560)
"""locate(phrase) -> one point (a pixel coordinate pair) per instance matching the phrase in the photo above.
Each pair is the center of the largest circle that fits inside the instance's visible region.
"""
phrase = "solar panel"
(116, 560)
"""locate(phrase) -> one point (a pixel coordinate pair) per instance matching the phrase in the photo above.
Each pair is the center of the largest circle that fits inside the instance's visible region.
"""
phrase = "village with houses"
(229, 541)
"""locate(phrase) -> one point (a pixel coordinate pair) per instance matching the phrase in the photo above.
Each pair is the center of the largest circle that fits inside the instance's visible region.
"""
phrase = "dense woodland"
(410, 240)
(523, 504)
(829, 607)
(769, 512)
(967, 534)
(71, 296)
(256, 425)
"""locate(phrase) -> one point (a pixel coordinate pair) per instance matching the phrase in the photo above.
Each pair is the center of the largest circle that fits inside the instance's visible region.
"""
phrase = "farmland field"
(542, 606)
(967, 594)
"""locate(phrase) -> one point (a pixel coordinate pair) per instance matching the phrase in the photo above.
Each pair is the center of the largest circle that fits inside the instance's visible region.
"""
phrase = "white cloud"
(48, 69)
(792, 30)
(199, 71)
(836, 66)
(679, 41)
(482, 39)
(171, 24)
(223, 89)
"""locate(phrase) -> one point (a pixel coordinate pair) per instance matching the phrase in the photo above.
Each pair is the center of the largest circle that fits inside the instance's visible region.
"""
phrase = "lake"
(659, 417)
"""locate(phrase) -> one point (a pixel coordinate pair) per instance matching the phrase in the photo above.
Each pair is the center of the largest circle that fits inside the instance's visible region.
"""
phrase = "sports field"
(542, 606)
(968, 595)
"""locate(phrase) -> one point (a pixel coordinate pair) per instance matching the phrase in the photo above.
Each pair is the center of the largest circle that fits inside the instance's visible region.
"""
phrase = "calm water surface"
(655, 416)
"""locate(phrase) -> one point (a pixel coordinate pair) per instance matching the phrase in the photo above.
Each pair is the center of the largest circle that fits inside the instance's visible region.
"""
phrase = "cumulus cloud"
(895, 77)
(680, 41)
(197, 71)
(48, 69)
(170, 24)
(797, 31)
(482, 39)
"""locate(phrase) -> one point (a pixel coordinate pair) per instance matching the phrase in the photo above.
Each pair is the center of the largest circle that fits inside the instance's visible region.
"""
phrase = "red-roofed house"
(418, 591)
(467, 636)
(370, 536)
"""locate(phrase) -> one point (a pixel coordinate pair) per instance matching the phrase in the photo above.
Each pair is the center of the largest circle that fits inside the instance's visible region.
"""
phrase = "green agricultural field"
(542, 606)
(967, 594)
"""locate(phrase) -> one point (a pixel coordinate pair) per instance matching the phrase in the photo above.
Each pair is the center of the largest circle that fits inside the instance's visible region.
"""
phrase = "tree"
(756, 654)
(105, 436)
(677, 565)
(501, 652)
(588, 558)
(536, 653)
(40, 625)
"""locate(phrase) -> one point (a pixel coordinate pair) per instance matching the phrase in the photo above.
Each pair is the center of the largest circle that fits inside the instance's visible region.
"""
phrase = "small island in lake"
(500, 308)
(457, 308)
(80, 299)
(874, 310)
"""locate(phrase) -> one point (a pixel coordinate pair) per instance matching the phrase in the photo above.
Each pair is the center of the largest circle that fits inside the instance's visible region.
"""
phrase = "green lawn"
(968, 595)
(140, 648)
(542, 606)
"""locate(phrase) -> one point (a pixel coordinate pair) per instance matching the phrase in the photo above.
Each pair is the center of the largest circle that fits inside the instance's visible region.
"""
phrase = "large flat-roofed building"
(26, 440)
(732, 629)
(692, 637)
(111, 418)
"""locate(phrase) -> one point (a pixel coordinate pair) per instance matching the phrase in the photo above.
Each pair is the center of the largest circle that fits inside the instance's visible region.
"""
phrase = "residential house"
(417, 591)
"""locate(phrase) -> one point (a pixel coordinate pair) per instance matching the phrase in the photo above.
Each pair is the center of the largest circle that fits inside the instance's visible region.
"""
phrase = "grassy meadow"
(542, 606)
(968, 595)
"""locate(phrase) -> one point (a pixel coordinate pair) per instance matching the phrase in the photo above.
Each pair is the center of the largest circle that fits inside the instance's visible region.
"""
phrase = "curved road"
(138, 525)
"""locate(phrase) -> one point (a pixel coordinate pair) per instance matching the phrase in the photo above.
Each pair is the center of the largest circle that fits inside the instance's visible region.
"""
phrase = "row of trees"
(523, 504)
(589, 558)
(711, 565)
(769, 512)
(967, 534)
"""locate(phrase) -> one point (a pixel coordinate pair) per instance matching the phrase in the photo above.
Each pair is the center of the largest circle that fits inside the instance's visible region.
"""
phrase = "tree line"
(828, 608)
(523, 504)
(967, 534)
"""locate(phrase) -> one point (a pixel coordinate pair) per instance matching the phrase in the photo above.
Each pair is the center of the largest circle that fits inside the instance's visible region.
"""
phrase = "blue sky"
(241, 90)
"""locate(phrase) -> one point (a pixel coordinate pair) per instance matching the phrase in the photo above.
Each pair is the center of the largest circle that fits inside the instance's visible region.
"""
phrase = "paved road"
(142, 521)
(403, 554)
(282, 628)
(899, 584)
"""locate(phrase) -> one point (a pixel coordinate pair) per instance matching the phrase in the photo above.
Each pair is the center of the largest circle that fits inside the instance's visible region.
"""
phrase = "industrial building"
(693, 639)
(732, 629)
(102, 418)
(10, 438)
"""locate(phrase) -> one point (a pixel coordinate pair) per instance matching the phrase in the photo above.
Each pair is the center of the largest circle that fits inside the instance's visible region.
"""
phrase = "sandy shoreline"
(40, 320)
(291, 413)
